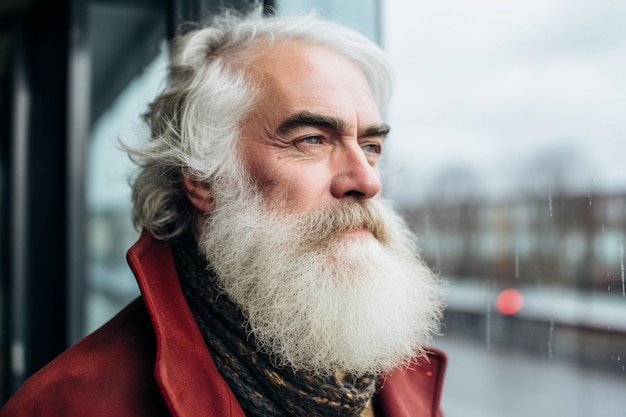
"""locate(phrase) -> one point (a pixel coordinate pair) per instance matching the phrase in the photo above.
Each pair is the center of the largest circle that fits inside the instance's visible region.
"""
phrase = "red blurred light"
(509, 302)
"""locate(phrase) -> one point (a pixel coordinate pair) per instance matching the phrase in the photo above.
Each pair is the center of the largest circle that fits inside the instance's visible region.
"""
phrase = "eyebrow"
(379, 129)
(307, 118)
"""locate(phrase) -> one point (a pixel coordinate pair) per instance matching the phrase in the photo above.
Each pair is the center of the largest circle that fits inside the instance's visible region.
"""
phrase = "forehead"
(297, 76)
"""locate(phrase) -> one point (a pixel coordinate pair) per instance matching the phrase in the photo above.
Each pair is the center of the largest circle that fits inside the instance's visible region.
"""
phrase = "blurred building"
(560, 240)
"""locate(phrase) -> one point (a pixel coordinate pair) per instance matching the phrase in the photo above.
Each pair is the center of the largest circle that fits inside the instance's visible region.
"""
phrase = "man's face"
(327, 275)
(316, 135)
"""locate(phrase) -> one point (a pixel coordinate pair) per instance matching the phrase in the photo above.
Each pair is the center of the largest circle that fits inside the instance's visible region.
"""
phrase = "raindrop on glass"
(550, 336)
(621, 258)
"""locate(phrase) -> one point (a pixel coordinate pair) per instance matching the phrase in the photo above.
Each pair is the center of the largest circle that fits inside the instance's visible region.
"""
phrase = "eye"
(311, 140)
(373, 148)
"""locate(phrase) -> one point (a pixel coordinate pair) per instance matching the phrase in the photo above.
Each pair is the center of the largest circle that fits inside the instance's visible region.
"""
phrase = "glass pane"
(363, 15)
(507, 138)
(127, 71)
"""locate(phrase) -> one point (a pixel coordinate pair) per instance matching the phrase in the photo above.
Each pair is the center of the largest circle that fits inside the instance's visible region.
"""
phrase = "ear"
(198, 193)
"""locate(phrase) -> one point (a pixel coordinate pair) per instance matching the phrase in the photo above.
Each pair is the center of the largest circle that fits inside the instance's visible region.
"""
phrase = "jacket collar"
(185, 372)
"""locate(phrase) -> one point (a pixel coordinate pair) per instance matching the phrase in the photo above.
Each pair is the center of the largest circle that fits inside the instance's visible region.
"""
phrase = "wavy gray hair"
(195, 121)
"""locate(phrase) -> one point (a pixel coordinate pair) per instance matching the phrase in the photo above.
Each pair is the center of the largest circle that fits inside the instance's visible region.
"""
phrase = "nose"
(355, 177)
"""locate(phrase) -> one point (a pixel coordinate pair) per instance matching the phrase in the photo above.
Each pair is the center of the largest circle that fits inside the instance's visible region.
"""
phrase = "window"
(126, 75)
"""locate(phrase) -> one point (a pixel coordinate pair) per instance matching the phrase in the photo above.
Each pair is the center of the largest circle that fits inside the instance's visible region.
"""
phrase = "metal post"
(37, 323)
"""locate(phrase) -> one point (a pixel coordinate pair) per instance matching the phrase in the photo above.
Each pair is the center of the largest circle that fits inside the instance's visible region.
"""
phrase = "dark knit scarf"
(261, 388)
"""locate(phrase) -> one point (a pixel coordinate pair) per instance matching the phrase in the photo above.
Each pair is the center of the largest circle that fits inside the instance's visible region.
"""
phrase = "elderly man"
(275, 280)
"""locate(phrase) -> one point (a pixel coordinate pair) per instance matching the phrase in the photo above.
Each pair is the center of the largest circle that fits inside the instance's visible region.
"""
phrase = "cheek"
(261, 169)
(296, 190)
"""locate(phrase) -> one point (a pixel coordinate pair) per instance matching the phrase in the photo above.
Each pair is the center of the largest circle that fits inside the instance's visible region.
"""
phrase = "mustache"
(328, 223)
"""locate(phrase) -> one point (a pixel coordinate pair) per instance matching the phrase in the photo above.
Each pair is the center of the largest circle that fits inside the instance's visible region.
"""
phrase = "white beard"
(316, 299)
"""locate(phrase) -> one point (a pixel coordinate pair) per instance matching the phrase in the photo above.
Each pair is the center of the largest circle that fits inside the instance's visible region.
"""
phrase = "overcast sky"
(502, 93)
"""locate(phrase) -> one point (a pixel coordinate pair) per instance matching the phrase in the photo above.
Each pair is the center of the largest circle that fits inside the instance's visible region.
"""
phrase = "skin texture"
(316, 135)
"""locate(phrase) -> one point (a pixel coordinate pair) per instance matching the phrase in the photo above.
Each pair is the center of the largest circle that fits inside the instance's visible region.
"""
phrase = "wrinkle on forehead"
(298, 80)
(276, 62)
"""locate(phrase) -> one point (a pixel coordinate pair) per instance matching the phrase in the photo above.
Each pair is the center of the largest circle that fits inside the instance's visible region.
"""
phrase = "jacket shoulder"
(109, 372)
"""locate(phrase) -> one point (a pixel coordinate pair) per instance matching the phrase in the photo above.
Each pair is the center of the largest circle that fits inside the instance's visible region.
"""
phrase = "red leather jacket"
(151, 360)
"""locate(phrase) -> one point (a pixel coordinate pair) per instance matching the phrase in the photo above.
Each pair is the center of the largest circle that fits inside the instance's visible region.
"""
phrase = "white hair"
(195, 122)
